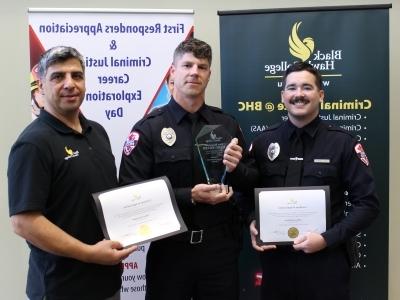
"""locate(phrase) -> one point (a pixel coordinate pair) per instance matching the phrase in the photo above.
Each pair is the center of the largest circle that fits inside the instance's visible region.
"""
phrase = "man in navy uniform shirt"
(203, 262)
(306, 151)
(55, 165)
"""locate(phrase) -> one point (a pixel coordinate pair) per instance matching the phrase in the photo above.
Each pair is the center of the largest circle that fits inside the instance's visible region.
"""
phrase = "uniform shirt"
(332, 157)
(54, 170)
(146, 155)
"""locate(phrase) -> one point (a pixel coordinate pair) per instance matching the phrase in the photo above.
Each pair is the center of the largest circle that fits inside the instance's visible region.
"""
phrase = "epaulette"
(216, 109)
(269, 129)
(220, 111)
(157, 111)
(331, 127)
(274, 126)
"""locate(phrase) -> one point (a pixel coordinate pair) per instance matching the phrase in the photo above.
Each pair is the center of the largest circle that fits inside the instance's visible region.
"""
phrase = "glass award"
(211, 142)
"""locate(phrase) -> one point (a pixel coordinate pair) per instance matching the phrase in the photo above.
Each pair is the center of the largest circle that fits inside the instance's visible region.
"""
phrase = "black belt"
(204, 235)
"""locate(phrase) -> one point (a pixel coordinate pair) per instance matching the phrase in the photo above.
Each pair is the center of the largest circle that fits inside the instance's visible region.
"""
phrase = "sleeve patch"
(361, 154)
(131, 142)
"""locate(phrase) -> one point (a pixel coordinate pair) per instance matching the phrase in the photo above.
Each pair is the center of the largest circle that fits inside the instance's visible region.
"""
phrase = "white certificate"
(140, 212)
(282, 214)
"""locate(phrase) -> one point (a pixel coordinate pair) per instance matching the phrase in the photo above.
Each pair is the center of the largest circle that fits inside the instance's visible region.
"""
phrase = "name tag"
(296, 158)
(322, 160)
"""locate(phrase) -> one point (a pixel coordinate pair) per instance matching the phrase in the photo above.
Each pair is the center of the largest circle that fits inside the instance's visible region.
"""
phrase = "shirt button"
(90, 148)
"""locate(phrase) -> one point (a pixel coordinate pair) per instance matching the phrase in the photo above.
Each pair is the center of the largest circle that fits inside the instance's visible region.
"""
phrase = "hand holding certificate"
(139, 213)
(282, 214)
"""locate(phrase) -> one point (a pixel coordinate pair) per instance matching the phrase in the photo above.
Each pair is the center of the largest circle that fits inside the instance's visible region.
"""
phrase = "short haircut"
(303, 66)
(200, 49)
(56, 55)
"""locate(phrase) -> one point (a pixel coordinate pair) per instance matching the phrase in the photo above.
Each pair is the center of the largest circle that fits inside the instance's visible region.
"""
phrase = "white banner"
(128, 54)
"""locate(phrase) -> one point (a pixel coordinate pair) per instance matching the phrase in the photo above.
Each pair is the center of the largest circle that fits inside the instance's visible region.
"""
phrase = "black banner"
(349, 45)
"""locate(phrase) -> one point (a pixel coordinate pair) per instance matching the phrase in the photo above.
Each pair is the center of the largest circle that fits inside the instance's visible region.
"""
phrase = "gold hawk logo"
(70, 153)
(300, 48)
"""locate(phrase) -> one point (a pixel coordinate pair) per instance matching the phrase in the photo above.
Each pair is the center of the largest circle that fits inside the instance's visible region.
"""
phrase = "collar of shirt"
(60, 126)
(178, 113)
(311, 128)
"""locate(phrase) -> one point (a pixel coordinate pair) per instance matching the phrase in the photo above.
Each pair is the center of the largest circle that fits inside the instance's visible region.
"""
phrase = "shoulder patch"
(131, 142)
(361, 154)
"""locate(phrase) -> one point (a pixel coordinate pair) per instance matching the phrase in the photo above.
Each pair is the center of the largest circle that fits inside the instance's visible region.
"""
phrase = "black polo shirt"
(146, 155)
(54, 170)
(332, 157)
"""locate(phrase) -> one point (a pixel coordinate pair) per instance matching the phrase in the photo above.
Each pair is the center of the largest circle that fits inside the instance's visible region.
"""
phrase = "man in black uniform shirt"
(56, 164)
(203, 262)
(317, 266)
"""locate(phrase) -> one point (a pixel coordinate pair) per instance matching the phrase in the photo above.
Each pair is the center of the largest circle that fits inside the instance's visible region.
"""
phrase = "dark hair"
(303, 66)
(58, 54)
(200, 49)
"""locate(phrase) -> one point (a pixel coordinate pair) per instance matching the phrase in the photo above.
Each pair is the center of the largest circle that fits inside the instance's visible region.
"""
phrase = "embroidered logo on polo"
(131, 142)
(70, 153)
(361, 154)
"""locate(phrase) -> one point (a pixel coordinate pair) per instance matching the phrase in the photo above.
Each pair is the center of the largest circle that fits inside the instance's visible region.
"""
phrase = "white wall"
(16, 111)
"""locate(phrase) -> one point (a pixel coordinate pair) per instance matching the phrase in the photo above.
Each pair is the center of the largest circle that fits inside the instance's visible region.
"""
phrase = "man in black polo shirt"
(55, 165)
(203, 262)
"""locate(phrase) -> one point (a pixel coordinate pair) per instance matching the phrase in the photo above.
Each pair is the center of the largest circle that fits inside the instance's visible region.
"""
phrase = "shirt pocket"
(272, 174)
(318, 174)
(172, 155)
(175, 163)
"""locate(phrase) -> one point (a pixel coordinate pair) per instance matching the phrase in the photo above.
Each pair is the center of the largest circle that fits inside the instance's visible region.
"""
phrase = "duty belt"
(204, 235)
(196, 236)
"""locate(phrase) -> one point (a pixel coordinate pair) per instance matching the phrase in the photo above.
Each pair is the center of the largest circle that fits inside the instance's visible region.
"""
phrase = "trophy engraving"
(211, 142)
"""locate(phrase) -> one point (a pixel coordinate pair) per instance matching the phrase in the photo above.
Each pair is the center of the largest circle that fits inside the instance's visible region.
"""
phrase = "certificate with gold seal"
(282, 214)
(140, 212)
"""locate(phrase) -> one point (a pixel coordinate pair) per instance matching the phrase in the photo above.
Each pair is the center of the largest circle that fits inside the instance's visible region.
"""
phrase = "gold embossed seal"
(293, 232)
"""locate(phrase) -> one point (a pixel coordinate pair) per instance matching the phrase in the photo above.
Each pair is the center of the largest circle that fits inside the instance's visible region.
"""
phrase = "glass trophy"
(211, 142)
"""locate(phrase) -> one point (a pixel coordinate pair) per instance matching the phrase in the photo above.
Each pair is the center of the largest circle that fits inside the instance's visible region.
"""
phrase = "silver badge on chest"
(168, 136)
(273, 151)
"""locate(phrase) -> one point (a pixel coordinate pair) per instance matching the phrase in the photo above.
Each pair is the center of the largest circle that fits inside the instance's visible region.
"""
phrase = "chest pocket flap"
(274, 169)
(320, 170)
(172, 155)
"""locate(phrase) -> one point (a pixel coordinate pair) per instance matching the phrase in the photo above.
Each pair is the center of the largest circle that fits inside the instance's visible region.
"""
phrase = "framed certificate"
(139, 213)
(282, 214)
